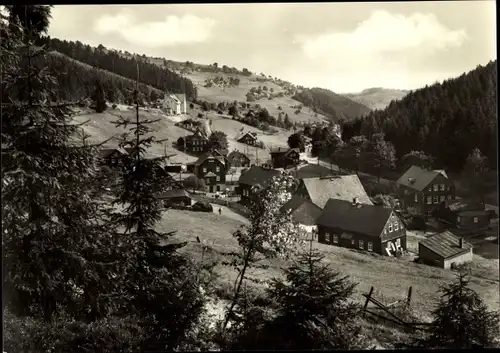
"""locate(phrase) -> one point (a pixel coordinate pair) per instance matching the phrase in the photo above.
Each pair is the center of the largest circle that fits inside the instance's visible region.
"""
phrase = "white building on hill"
(175, 104)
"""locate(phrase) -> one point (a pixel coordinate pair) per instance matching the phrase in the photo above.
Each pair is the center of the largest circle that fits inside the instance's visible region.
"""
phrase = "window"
(353, 241)
(436, 187)
(416, 197)
(429, 200)
(458, 219)
(430, 188)
(370, 246)
(217, 178)
(207, 180)
(398, 242)
(204, 170)
(390, 227)
(396, 226)
(217, 169)
(476, 219)
(405, 192)
(327, 237)
(442, 198)
(441, 187)
(361, 244)
(335, 239)
(436, 199)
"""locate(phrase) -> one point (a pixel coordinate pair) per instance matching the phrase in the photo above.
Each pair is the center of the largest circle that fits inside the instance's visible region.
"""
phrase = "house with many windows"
(422, 191)
(254, 179)
(211, 167)
(465, 214)
(285, 157)
(197, 143)
(360, 226)
(248, 138)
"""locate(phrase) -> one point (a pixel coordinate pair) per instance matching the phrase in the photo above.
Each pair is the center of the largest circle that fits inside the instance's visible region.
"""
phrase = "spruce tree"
(99, 100)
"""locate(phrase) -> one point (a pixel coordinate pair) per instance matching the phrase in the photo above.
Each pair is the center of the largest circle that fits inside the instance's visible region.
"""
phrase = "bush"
(202, 206)
(114, 106)
(200, 115)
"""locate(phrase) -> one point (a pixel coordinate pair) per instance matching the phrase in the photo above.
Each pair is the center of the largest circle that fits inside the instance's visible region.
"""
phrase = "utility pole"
(256, 155)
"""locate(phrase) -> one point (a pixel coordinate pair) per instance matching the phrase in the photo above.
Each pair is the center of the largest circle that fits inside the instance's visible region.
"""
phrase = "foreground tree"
(462, 320)
(296, 140)
(99, 101)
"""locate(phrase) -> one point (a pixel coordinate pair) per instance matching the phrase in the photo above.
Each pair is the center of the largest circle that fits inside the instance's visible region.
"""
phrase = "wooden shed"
(175, 197)
(444, 249)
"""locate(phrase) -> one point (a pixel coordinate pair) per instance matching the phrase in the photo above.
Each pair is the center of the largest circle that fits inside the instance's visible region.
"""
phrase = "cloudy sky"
(346, 47)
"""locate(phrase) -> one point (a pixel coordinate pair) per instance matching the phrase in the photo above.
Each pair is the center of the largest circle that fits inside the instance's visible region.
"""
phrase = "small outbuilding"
(175, 197)
(444, 250)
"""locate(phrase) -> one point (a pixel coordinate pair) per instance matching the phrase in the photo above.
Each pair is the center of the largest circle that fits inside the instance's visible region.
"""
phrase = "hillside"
(77, 80)
(446, 120)
(377, 97)
(337, 107)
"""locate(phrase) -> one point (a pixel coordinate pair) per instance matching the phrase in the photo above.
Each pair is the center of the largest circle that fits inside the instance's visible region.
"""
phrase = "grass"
(391, 277)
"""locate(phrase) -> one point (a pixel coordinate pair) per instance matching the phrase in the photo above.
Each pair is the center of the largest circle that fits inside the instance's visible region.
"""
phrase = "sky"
(345, 47)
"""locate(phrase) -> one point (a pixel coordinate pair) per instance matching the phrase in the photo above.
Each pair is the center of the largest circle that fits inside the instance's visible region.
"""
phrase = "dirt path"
(227, 212)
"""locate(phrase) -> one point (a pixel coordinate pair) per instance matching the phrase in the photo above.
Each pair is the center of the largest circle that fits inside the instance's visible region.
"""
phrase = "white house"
(175, 104)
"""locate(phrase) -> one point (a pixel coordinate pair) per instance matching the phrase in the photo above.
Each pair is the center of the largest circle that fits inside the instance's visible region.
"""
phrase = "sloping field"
(391, 277)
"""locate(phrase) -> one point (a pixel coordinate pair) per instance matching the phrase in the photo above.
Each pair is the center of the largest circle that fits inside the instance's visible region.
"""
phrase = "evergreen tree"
(462, 320)
(380, 154)
(99, 99)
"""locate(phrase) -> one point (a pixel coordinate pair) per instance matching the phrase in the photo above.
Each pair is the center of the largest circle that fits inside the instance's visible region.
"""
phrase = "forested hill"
(337, 107)
(447, 120)
(150, 74)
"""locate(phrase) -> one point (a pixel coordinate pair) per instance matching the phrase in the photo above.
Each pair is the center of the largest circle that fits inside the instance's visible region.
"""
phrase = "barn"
(444, 250)
(175, 197)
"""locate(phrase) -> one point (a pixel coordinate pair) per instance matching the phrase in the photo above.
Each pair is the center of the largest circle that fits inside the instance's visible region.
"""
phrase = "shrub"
(202, 206)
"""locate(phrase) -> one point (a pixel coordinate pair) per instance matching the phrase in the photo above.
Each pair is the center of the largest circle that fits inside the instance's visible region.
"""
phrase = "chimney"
(461, 243)
(354, 201)
(411, 180)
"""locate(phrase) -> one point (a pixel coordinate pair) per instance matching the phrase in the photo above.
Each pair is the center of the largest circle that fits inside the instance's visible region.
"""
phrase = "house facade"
(444, 250)
(422, 191)
(174, 104)
(175, 197)
(364, 227)
(238, 159)
(252, 180)
(212, 168)
(196, 144)
(464, 214)
(248, 138)
(285, 157)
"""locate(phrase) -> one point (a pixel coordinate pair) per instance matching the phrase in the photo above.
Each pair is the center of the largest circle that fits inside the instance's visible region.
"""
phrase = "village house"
(312, 171)
(197, 143)
(254, 179)
(238, 159)
(340, 187)
(248, 138)
(175, 197)
(111, 157)
(174, 104)
(285, 157)
(212, 168)
(444, 250)
(465, 214)
(360, 226)
(302, 211)
(422, 191)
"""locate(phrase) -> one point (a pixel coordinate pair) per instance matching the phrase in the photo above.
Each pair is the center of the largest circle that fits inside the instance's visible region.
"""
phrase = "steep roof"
(253, 135)
(258, 175)
(418, 178)
(303, 211)
(312, 171)
(362, 219)
(181, 97)
(341, 187)
(214, 154)
(464, 205)
(173, 193)
(445, 244)
(283, 150)
(234, 154)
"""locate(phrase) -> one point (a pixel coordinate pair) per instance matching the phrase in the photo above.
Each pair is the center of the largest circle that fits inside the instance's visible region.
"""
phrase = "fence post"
(367, 301)
(408, 299)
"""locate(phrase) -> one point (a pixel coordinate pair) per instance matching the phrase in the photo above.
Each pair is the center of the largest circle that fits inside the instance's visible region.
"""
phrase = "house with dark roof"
(465, 214)
(175, 197)
(238, 159)
(285, 158)
(248, 138)
(254, 179)
(312, 171)
(360, 226)
(444, 250)
(197, 143)
(302, 211)
(111, 157)
(421, 191)
(211, 167)
(340, 187)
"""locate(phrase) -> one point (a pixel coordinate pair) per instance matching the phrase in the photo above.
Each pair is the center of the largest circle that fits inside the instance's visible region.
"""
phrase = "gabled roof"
(312, 171)
(445, 244)
(340, 187)
(303, 211)
(252, 135)
(418, 178)
(283, 150)
(210, 154)
(361, 219)
(210, 175)
(234, 154)
(173, 193)
(464, 205)
(258, 175)
(198, 132)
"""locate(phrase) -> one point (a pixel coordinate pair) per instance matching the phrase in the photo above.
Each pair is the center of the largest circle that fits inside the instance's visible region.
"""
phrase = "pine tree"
(462, 320)
(99, 99)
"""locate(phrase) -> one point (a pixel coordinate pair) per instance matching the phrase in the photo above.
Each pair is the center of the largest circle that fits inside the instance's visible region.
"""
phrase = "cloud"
(383, 34)
(172, 31)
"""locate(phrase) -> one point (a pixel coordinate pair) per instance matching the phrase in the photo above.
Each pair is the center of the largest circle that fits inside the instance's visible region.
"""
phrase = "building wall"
(468, 222)
(429, 257)
(458, 260)
(196, 144)
(353, 242)
(245, 192)
(211, 165)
